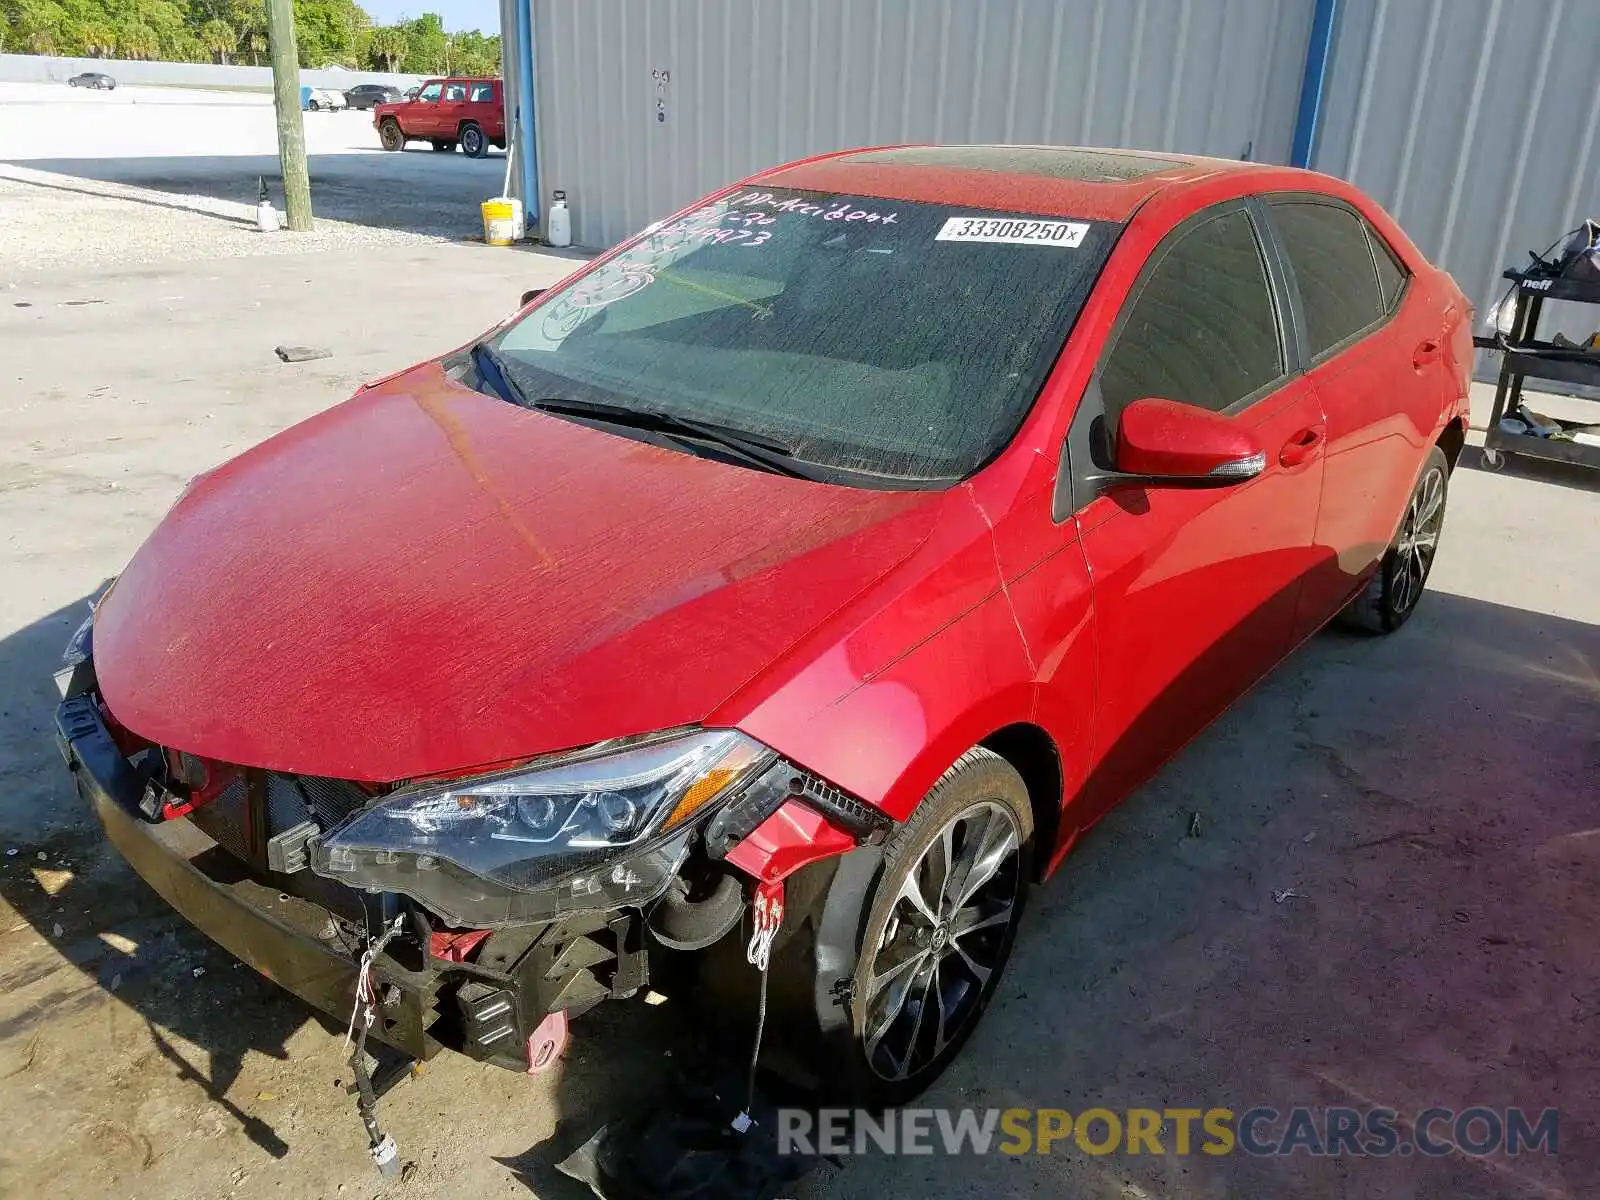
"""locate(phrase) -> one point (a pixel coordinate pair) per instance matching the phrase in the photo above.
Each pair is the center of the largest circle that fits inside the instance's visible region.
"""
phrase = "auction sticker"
(1014, 230)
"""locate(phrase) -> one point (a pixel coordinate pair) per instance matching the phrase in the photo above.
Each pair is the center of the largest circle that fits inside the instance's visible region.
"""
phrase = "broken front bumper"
(277, 934)
(487, 1009)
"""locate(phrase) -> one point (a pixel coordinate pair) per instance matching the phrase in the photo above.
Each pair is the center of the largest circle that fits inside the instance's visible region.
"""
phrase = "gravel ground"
(140, 176)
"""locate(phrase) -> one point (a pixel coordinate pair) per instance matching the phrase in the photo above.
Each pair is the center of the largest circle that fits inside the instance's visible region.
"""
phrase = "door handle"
(1425, 353)
(1302, 447)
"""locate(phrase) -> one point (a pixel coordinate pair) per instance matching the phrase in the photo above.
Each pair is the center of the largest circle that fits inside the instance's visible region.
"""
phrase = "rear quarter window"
(1332, 262)
(1392, 276)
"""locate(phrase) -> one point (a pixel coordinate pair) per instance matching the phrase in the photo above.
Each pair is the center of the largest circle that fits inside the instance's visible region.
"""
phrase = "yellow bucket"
(501, 216)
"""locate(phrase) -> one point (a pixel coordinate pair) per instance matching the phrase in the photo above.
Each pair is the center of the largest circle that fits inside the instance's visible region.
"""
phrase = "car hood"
(425, 579)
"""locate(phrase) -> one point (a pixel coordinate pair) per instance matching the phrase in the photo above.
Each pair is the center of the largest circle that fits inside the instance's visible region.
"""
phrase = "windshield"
(899, 344)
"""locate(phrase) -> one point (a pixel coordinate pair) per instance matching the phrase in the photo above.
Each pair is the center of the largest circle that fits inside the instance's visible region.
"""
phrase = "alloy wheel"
(945, 937)
(1418, 541)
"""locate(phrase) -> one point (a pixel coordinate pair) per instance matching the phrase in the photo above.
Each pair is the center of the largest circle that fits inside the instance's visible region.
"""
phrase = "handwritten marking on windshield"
(833, 210)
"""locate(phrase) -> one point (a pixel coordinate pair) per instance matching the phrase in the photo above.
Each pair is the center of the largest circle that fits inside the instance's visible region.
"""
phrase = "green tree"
(37, 26)
(137, 40)
(388, 47)
(97, 38)
(427, 48)
(219, 39)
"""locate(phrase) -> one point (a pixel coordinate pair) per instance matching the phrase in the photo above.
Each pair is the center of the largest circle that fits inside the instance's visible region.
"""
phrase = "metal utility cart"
(1523, 356)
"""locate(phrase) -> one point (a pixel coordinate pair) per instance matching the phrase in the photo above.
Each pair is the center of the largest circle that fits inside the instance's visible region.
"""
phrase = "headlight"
(75, 675)
(80, 646)
(592, 830)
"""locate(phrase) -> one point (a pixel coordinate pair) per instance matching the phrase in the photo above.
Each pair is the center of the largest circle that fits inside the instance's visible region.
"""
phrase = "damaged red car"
(794, 585)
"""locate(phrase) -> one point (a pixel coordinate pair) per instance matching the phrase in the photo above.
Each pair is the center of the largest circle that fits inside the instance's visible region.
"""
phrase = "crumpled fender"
(793, 837)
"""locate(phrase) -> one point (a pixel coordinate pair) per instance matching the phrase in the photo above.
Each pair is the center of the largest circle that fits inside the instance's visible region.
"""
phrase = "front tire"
(389, 135)
(1391, 595)
(939, 922)
(313, 105)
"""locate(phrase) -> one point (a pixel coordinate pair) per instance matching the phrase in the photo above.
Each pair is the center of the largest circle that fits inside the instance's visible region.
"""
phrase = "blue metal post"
(527, 126)
(1319, 49)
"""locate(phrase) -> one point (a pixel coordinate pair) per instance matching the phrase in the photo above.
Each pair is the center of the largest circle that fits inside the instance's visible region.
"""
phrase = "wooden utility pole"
(291, 127)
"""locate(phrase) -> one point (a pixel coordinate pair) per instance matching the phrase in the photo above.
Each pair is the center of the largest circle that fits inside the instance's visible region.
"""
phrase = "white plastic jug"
(558, 222)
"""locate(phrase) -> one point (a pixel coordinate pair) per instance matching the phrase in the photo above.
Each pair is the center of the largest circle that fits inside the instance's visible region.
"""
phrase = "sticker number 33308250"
(1018, 230)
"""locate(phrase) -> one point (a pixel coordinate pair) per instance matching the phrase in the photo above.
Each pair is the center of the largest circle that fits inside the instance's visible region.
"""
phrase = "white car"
(322, 99)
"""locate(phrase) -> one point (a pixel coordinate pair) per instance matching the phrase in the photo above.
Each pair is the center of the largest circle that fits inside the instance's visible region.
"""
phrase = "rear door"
(483, 109)
(452, 108)
(1379, 369)
(1195, 589)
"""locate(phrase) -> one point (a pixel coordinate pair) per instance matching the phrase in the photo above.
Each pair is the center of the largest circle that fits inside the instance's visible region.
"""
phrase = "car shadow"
(426, 193)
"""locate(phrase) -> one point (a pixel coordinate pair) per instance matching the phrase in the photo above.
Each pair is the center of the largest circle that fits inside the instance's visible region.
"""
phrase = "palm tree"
(98, 39)
(138, 41)
(389, 45)
(219, 40)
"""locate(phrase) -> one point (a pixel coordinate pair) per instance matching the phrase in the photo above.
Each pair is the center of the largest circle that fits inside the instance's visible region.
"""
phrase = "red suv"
(797, 582)
(446, 112)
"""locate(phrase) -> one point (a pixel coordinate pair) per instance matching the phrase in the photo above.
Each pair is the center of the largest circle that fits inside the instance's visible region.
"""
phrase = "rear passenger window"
(1391, 275)
(455, 91)
(1202, 329)
(1332, 263)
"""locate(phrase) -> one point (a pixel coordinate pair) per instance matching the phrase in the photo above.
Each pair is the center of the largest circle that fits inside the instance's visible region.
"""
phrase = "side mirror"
(1164, 442)
(529, 296)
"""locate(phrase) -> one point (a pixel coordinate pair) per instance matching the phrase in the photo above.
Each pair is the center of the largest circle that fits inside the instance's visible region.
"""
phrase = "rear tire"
(473, 143)
(1391, 595)
(313, 105)
(390, 136)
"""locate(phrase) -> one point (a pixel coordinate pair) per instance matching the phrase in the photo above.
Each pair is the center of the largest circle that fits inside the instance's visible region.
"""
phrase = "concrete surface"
(90, 179)
(1429, 798)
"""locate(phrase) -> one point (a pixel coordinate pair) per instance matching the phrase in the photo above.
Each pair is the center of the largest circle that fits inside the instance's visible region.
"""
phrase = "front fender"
(888, 738)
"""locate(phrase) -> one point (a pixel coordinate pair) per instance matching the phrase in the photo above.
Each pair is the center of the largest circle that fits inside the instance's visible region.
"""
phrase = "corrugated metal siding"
(1473, 122)
(758, 82)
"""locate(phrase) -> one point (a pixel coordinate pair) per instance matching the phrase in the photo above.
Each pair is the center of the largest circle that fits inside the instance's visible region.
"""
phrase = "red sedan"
(818, 564)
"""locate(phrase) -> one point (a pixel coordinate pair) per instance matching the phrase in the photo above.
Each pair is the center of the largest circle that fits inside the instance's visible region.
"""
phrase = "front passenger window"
(1202, 329)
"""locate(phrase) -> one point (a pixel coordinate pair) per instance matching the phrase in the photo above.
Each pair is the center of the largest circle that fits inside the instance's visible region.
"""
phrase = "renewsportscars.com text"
(1260, 1131)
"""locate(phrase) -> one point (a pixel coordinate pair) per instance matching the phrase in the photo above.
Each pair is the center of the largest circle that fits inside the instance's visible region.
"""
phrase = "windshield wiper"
(492, 366)
(765, 452)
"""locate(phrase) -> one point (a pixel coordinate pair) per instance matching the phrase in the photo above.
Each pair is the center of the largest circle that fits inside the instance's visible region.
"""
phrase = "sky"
(482, 15)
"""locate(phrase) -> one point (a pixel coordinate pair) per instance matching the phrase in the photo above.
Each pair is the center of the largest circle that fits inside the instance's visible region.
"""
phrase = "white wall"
(753, 83)
(35, 68)
(1474, 122)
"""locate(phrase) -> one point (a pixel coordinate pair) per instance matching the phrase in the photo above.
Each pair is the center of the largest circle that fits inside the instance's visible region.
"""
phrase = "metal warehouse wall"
(1473, 122)
(744, 84)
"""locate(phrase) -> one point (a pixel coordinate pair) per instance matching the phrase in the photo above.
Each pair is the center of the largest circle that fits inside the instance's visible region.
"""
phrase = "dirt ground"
(1391, 897)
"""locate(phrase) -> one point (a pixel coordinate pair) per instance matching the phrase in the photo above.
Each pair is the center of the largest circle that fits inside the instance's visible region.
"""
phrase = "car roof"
(1076, 181)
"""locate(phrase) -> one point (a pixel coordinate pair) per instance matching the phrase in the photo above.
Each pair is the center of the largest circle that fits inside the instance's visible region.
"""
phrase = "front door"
(1195, 589)
(423, 119)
